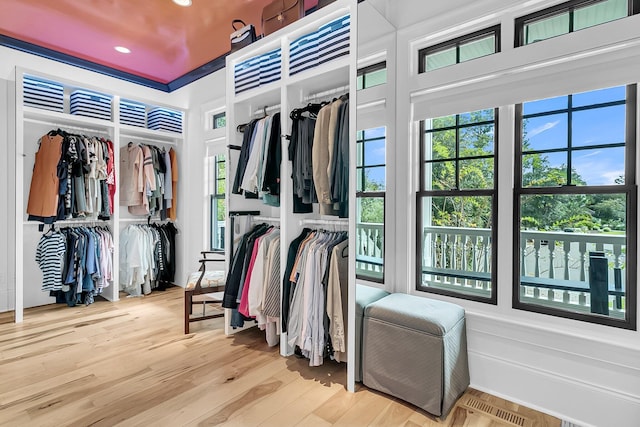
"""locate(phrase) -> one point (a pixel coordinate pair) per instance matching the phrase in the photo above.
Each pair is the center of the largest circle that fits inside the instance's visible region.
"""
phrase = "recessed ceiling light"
(122, 49)
(182, 2)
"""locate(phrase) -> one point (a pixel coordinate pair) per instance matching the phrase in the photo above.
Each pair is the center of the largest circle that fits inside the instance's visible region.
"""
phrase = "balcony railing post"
(598, 283)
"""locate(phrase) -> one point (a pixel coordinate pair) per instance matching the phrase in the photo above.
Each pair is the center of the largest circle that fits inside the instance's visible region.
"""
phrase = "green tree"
(474, 169)
(372, 208)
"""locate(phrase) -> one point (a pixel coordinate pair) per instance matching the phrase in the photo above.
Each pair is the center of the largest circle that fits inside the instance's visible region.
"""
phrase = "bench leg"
(187, 309)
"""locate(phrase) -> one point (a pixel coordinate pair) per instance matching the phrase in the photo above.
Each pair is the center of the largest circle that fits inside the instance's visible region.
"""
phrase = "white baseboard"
(570, 399)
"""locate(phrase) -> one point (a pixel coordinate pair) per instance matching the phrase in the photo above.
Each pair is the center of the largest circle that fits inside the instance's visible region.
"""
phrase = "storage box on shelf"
(161, 118)
(270, 66)
(133, 113)
(40, 93)
(90, 104)
(330, 41)
(333, 39)
(303, 53)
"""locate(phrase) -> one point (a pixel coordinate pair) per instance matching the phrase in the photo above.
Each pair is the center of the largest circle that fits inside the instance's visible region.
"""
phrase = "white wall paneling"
(581, 372)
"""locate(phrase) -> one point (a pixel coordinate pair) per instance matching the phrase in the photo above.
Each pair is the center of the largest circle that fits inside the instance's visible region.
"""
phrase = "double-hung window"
(370, 198)
(575, 206)
(218, 211)
(456, 206)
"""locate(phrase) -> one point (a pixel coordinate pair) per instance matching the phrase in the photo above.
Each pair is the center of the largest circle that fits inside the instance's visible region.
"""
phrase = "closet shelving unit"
(30, 124)
(322, 82)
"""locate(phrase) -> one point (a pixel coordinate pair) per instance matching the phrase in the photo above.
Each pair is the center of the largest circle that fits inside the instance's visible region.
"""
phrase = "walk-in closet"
(348, 177)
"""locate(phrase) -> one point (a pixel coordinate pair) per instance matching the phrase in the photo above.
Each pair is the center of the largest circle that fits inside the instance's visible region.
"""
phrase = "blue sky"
(375, 153)
(590, 127)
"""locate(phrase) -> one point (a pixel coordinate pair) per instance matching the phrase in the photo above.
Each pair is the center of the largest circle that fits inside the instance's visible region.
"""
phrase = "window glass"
(455, 227)
(545, 132)
(575, 207)
(440, 59)
(370, 238)
(552, 150)
(600, 166)
(476, 140)
(598, 126)
(546, 105)
(477, 48)
(461, 49)
(370, 196)
(547, 28)
(219, 121)
(599, 13)
(548, 170)
(595, 97)
(568, 17)
(376, 78)
(371, 76)
(218, 212)
(456, 251)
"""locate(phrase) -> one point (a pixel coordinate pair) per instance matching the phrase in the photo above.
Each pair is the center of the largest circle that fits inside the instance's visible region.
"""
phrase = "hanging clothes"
(50, 256)
(148, 177)
(76, 263)
(252, 289)
(319, 154)
(258, 170)
(316, 313)
(69, 178)
(172, 211)
(147, 257)
(43, 194)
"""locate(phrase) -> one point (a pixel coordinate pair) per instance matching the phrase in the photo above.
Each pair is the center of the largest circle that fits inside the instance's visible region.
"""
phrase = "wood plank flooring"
(129, 364)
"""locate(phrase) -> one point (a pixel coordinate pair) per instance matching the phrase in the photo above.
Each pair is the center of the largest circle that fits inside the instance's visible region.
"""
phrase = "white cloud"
(591, 154)
(542, 128)
(610, 177)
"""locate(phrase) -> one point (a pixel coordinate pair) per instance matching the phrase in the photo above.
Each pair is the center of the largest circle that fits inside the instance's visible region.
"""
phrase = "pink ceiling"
(166, 40)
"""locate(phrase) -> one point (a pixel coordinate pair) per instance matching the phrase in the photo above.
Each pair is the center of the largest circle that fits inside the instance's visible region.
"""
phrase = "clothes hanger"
(51, 230)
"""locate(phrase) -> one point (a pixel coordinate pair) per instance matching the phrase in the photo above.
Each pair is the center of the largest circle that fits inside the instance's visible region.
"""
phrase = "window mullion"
(570, 141)
(457, 153)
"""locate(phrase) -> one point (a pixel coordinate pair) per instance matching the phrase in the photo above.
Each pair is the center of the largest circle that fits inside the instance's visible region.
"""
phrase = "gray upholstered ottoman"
(365, 295)
(415, 349)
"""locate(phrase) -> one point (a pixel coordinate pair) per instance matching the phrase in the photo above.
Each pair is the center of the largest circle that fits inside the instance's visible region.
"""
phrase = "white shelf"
(55, 118)
(162, 136)
(267, 94)
(331, 72)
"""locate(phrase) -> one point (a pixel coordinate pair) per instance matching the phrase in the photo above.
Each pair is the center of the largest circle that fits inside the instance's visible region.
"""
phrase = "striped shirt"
(50, 257)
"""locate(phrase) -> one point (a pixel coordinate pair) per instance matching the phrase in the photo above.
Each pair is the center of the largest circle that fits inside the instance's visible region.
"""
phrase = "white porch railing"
(554, 265)
(457, 258)
(370, 250)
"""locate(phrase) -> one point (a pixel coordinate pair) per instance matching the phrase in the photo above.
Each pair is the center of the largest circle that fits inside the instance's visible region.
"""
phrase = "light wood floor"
(129, 363)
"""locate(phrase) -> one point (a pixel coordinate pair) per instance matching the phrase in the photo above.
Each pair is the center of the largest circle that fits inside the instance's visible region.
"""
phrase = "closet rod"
(266, 109)
(72, 222)
(334, 222)
(147, 140)
(324, 94)
(142, 220)
(265, 219)
(66, 126)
